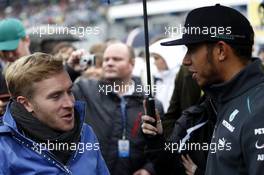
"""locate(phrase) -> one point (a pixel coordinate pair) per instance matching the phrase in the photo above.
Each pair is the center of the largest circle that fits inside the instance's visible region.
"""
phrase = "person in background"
(167, 69)
(115, 107)
(63, 50)
(261, 52)
(95, 71)
(14, 43)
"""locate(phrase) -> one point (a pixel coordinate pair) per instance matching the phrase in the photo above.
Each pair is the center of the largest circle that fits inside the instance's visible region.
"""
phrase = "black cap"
(215, 23)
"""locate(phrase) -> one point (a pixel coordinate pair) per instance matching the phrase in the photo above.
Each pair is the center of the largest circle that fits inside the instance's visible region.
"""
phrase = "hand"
(190, 167)
(74, 60)
(147, 128)
(93, 72)
(141, 172)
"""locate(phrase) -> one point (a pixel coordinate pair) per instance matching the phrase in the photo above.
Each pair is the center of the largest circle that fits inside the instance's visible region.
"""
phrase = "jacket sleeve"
(252, 143)
(150, 168)
(80, 87)
(164, 152)
(72, 73)
(77, 92)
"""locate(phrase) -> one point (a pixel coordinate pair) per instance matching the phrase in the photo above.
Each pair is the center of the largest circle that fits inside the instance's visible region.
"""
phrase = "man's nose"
(187, 60)
(110, 62)
(68, 101)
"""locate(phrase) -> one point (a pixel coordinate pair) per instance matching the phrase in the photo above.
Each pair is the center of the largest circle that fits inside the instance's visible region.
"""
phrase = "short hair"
(130, 49)
(244, 52)
(60, 46)
(24, 72)
(97, 48)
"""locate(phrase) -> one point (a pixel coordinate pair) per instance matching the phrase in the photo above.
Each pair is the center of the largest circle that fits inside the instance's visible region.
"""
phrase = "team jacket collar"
(247, 78)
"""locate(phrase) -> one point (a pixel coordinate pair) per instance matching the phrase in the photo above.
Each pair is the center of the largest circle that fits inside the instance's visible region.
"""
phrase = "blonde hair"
(24, 72)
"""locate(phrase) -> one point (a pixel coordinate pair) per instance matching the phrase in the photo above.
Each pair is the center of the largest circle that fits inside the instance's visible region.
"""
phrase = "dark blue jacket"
(20, 155)
(237, 146)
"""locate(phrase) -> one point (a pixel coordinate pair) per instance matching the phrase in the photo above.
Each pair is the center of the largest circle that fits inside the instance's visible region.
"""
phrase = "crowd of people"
(74, 111)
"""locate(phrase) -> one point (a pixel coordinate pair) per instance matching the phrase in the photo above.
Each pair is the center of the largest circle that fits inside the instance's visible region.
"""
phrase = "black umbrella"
(150, 102)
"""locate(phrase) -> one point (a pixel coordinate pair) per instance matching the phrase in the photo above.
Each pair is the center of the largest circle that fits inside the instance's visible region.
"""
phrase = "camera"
(87, 60)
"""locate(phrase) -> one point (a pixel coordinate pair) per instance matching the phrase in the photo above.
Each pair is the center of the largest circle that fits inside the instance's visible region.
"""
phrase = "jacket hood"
(173, 55)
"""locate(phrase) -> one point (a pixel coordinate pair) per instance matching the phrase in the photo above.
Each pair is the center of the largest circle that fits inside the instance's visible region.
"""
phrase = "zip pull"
(67, 170)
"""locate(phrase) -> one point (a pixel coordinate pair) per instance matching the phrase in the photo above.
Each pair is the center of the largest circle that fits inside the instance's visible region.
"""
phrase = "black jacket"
(195, 126)
(239, 132)
(103, 114)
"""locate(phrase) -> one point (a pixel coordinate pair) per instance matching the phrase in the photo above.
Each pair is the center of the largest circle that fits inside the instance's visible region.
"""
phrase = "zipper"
(217, 118)
(73, 156)
(46, 154)
(62, 166)
(213, 106)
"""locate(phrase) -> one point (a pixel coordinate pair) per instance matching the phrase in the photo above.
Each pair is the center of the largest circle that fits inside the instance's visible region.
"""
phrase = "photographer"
(114, 110)
(87, 64)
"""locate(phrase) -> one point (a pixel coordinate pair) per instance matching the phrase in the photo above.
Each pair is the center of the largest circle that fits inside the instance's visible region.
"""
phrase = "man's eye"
(55, 96)
(117, 59)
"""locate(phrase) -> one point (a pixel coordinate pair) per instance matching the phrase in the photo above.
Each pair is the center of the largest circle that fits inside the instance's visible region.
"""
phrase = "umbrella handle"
(150, 102)
(150, 109)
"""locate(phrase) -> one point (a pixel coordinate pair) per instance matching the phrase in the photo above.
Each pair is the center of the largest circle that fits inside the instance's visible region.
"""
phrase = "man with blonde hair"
(43, 129)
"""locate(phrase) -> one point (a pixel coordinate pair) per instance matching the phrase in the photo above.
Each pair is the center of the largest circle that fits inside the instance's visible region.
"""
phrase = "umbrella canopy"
(136, 38)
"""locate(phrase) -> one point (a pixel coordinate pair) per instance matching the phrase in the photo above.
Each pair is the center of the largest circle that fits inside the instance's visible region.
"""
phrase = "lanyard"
(123, 116)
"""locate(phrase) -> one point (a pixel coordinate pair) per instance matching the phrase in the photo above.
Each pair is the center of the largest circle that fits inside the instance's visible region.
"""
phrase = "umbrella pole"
(150, 102)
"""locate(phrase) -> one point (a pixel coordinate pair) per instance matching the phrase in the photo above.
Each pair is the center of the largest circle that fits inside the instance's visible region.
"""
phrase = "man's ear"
(25, 102)
(222, 49)
(132, 61)
(27, 40)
